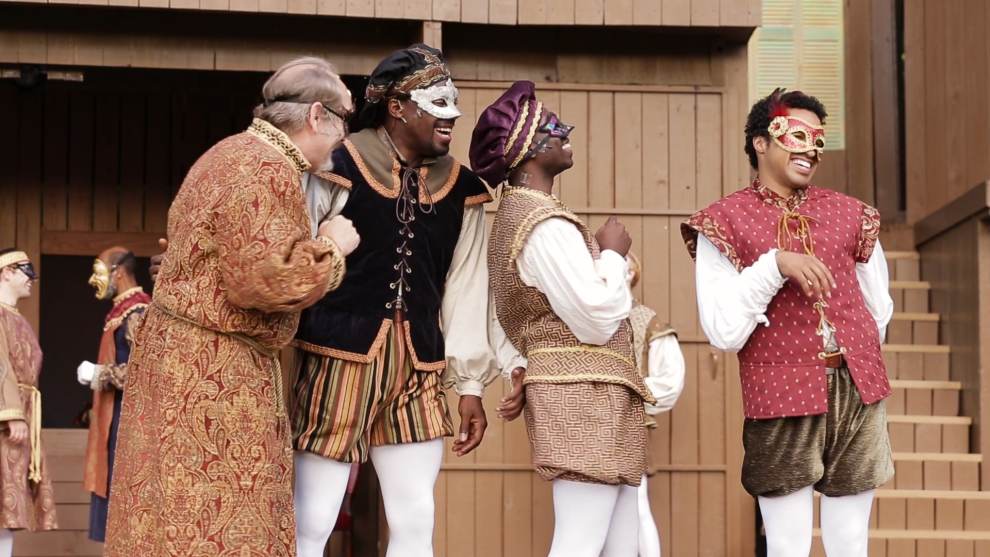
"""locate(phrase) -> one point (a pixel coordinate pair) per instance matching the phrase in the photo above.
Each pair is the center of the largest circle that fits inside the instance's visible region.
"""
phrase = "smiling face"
(426, 134)
(783, 159)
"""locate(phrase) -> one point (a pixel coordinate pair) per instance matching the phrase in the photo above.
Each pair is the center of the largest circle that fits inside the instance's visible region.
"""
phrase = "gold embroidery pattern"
(26, 503)
(427, 197)
(334, 179)
(554, 353)
(869, 233)
(704, 223)
(344, 354)
(584, 348)
(389, 193)
(538, 115)
(280, 141)
(115, 322)
(477, 199)
(516, 130)
(203, 462)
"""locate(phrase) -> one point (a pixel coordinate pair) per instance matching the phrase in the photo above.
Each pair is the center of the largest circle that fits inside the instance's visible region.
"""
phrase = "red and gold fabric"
(95, 475)
(782, 366)
(28, 500)
(204, 461)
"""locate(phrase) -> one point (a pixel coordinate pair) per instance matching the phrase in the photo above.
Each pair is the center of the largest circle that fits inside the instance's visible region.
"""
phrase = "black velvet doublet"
(347, 322)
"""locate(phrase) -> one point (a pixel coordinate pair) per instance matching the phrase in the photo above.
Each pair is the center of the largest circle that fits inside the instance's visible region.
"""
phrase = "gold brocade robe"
(204, 463)
(25, 504)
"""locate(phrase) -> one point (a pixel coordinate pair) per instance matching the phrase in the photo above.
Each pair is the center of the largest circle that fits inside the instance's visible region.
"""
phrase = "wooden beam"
(887, 155)
(432, 34)
(964, 207)
(143, 244)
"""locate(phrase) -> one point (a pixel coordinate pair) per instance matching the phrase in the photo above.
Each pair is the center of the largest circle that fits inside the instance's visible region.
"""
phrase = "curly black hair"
(760, 115)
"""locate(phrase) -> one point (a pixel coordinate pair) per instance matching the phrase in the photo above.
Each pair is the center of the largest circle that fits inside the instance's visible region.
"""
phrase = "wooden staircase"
(934, 506)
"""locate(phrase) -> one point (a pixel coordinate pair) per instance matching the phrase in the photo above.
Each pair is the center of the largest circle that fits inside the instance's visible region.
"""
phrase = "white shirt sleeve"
(666, 373)
(464, 310)
(591, 297)
(731, 303)
(324, 200)
(506, 355)
(875, 284)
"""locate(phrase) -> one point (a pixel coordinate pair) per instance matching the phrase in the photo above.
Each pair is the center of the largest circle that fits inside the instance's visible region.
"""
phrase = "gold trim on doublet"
(280, 142)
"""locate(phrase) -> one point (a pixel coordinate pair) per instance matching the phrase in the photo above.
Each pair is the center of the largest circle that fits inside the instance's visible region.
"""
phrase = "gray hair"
(294, 87)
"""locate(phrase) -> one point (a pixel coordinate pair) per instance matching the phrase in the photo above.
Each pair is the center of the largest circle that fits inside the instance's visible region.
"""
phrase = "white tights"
(594, 519)
(407, 474)
(649, 538)
(789, 520)
(6, 543)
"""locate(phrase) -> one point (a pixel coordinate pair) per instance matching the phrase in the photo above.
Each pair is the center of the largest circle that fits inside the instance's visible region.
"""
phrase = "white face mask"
(445, 90)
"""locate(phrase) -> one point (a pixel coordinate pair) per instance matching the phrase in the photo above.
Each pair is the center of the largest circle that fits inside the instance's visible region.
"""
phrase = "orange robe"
(204, 464)
(26, 504)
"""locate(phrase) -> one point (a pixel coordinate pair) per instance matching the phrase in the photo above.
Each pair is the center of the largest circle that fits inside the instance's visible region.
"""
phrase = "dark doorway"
(71, 326)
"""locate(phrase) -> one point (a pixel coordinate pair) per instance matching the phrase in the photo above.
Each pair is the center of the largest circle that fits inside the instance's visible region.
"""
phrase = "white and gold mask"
(427, 96)
(100, 280)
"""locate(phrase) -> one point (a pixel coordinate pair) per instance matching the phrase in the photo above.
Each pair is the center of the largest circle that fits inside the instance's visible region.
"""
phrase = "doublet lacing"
(406, 205)
(784, 240)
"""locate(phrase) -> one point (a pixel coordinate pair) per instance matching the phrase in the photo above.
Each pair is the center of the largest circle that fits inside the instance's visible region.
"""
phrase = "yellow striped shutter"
(800, 46)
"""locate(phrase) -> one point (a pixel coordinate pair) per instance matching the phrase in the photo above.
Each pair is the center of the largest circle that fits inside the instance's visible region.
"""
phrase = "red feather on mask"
(777, 105)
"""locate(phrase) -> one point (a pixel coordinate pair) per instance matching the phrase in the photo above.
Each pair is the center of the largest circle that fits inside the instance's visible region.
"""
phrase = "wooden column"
(954, 243)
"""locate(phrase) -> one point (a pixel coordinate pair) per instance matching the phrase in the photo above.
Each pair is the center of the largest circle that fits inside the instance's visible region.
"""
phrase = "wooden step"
(932, 494)
(930, 420)
(924, 398)
(917, 361)
(936, 470)
(916, 348)
(913, 331)
(915, 316)
(892, 534)
(902, 255)
(921, 384)
(910, 296)
(937, 457)
(910, 285)
(929, 434)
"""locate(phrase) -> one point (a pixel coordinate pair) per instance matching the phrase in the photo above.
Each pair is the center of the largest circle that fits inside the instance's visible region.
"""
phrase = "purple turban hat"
(505, 132)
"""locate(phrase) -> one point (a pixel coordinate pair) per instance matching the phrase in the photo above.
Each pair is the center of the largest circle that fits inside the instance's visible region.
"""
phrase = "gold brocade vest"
(646, 328)
(555, 355)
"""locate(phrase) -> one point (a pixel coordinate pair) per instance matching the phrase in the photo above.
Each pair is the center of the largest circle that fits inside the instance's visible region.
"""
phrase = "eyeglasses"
(552, 128)
(344, 115)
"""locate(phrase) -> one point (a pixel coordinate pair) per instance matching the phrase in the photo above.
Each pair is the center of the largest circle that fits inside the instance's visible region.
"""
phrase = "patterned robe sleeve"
(268, 261)
(116, 375)
(11, 405)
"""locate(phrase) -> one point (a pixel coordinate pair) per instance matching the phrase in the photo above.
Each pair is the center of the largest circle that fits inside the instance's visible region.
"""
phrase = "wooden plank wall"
(851, 170)
(696, 13)
(77, 36)
(651, 153)
(652, 156)
(86, 166)
(947, 67)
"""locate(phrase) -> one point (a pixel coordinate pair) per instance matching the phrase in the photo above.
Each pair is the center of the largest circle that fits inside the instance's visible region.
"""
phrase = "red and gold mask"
(794, 135)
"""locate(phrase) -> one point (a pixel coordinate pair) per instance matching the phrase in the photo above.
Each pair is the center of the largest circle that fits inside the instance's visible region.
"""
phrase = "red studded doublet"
(781, 371)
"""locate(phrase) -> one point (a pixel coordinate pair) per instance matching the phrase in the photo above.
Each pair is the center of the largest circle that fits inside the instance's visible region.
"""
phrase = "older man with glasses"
(204, 463)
